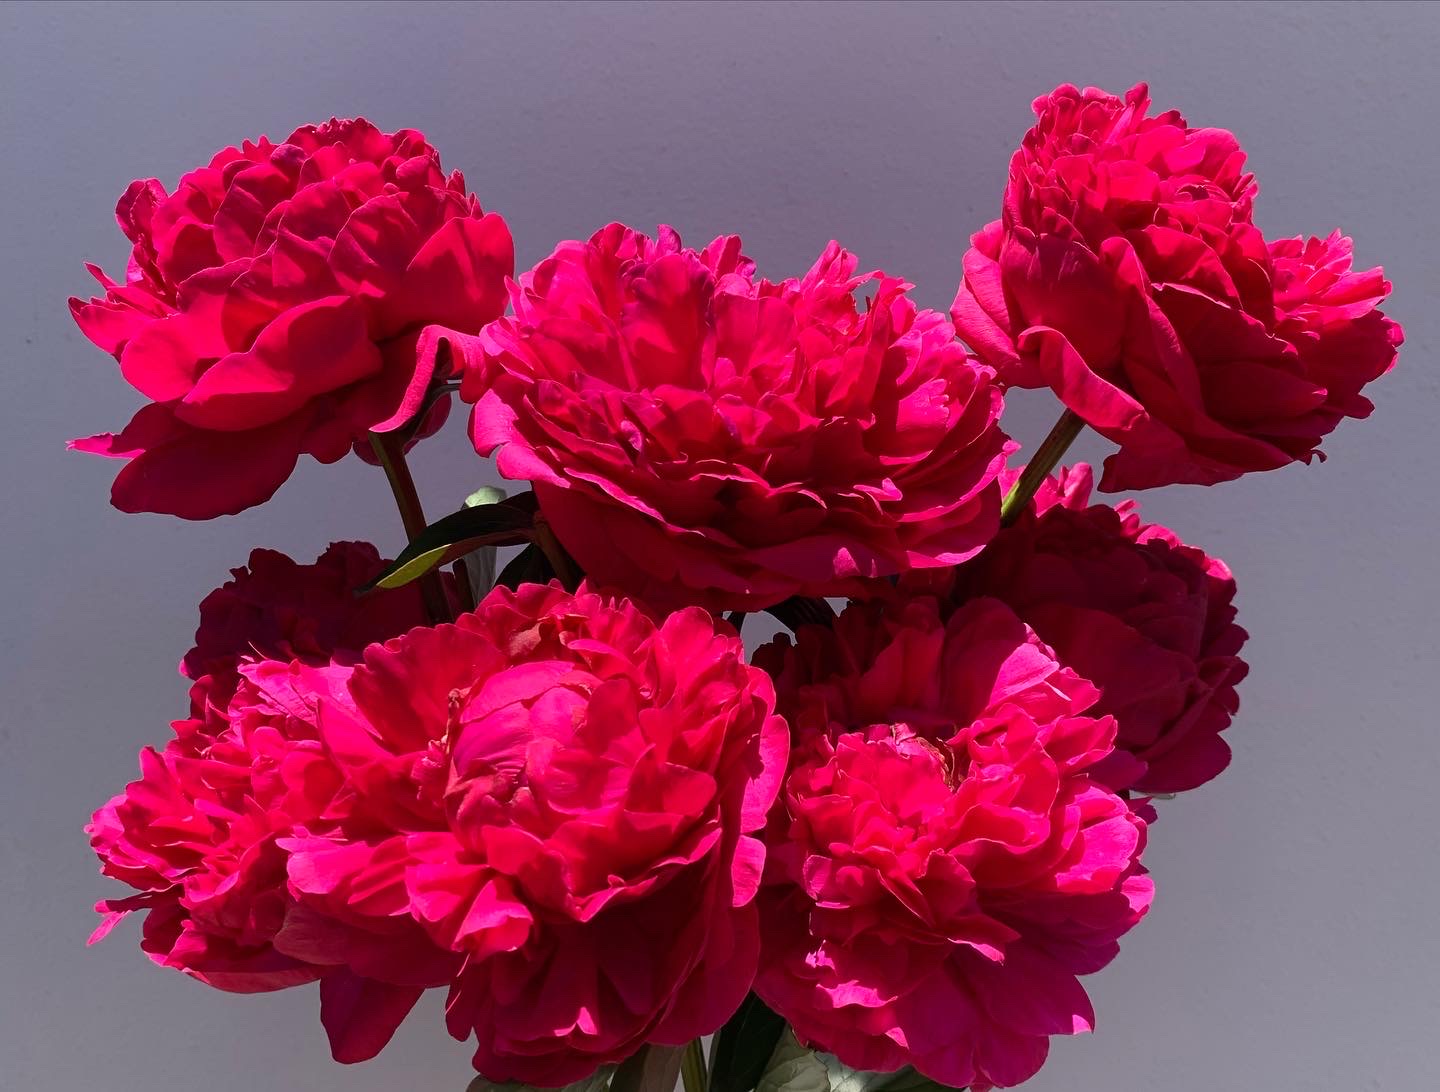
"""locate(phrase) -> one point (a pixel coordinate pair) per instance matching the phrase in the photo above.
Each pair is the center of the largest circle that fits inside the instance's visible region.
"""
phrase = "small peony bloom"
(197, 834)
(943, 864)
(271, 308)
(696, 435)
(1129, 606)
(1127, 275)
(565, 797)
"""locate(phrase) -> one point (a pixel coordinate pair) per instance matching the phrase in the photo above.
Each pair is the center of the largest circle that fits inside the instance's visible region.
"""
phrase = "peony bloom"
(942, 865)
(699, 436)
(197, 834)
(1126, 274)
(1145, 617)
(277, 609)
(271, 308)
(563, 796)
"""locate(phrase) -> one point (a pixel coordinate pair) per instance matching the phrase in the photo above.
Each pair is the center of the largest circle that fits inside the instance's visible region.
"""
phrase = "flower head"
(1129, 606)
(563, 796)
(271, 308)
(1126, 274)
(696, 435)
(943, 865)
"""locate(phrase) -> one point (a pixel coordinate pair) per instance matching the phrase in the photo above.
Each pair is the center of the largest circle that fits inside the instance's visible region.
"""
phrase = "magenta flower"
(1127, 275)
(271, 308)
(698, 436)
(943, 865)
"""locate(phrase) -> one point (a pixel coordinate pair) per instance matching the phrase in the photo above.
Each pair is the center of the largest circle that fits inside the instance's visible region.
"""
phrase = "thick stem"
(1051, 450)
(391, 455)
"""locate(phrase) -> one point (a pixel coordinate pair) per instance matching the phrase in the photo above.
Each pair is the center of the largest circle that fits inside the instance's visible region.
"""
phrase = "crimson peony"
(1145, 617)
(1126, 274)
(942, 864)
(551, 806)
(698, 436)
(196, 834)
(563, 794)
(271, 308)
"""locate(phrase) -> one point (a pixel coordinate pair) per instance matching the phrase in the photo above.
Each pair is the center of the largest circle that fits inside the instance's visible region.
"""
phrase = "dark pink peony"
(1126, 274)
(696, 435)
(1148, 619)
(563, 796)
(942, 864)
(271, 308)
(278, 609)
(196, 834)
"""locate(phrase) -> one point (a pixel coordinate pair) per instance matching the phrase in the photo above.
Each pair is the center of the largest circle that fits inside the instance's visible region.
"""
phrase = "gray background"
(1293, 944)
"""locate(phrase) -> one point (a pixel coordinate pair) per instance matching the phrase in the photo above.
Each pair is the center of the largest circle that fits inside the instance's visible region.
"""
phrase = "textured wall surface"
(1293, 944)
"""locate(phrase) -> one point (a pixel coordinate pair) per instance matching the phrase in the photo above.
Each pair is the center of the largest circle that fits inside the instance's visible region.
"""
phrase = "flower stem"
(560, 561)
(390, 452)
(693, 1071)
(1051, 449)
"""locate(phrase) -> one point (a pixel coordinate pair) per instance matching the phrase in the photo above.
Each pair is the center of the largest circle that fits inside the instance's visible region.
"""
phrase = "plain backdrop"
(1293, 943)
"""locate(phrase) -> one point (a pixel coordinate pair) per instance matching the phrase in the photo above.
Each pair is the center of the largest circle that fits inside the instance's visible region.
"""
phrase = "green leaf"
(486, 494)
(793, 1068)
(526, 567)
(596, 1082)
(505, 524)
(845, 1079)
(743, 1047)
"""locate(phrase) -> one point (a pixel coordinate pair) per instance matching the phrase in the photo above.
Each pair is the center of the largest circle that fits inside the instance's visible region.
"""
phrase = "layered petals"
(1147, 618)
(272, 305)
(696, 435)
(943, 864)
(1127, 275)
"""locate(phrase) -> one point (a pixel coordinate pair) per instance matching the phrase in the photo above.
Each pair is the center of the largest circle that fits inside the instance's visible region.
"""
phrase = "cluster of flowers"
(574, 803)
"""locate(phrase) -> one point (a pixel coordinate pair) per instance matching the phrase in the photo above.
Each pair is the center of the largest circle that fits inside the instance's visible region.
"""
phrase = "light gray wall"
(1293, 944)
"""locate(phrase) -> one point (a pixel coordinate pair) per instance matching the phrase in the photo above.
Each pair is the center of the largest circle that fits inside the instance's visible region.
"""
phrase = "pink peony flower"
(271, 308)
(698, 436)
(197, 834)
(1126, 274)
(563, 795)
(1130, 607)
(943, 865)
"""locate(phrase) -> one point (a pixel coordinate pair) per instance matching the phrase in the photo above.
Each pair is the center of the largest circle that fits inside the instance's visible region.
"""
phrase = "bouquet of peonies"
(878, 855)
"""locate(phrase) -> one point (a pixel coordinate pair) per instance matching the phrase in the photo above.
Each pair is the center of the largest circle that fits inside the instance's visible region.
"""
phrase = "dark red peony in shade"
(275, 608)
(696, 435)
(271, 307)
(1126, 274)
(196, 834)
(1147, 618)
(942, 863)
(551, 806)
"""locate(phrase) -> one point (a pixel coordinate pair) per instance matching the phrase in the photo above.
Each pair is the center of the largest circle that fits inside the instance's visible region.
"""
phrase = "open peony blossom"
(563, 796)
(271, 308)
(1126, 604)
(699, 436)
(551, 806)
(942, 863)
(1126, 274)
(196, 834)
